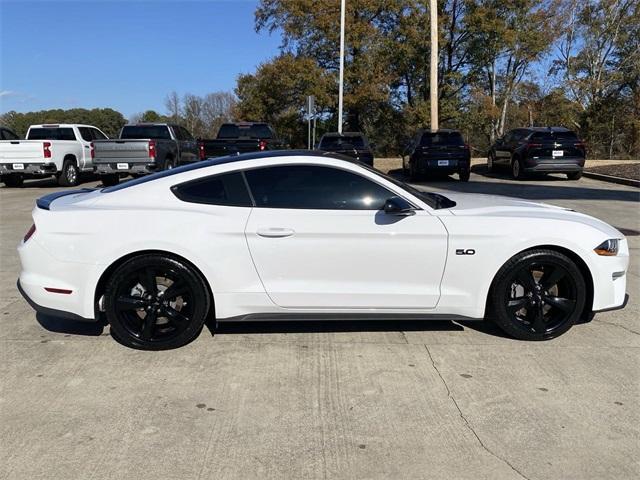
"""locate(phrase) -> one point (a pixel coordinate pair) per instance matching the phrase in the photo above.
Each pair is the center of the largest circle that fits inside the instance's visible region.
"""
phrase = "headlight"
(608, 248)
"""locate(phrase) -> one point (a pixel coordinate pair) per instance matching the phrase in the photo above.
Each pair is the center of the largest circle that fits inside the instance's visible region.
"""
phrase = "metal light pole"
(340, 88)
(433, 78)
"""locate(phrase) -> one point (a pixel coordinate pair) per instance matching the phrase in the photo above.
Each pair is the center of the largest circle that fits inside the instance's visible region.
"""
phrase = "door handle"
(275, 232)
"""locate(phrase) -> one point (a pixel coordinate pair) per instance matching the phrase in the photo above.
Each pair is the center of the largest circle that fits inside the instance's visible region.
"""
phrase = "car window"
(259, 131)
(85, 133)
(154, 132)
(98, 135)
(9, 135)
(335, 142)
(441, 138)
(553, 136)
(227, 189)
(51, 133)
(314, 187)
(185, 134)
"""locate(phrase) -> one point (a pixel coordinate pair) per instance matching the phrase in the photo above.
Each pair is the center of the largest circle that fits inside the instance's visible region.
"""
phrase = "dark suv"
(351, 144)
(442, 152)
(539, 150)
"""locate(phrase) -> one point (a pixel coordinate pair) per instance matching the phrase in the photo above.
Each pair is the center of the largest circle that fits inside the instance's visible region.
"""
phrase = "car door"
(319, 239)
(188, 146)
(503, 149)
(86, 137)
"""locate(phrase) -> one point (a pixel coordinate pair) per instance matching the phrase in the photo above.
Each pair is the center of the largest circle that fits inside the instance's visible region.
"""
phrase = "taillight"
(152, 149)
(93, 151)
(262, 145)
(46, 149)
(534, 145)
(201, 151)
(581, 145)
(466, 146)
(30, 232)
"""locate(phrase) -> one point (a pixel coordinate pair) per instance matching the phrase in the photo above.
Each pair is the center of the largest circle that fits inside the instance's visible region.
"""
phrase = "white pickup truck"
(60, 150)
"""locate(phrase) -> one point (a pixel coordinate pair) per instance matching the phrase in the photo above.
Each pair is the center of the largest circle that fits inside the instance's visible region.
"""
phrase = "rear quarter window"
(225, 189)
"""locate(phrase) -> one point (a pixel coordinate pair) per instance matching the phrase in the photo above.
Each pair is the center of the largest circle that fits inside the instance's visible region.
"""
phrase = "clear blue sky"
(124, 54)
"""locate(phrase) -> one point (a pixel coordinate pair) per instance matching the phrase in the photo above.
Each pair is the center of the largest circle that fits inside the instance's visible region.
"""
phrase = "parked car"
(438, 153)
(144, 148)
(236, 138)
(539, 150)
(351, 144)
(8, 134)
(60, 150)
(310, 235)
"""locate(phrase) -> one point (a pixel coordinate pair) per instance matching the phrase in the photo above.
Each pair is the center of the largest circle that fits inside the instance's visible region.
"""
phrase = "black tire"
(168, 291)
(516, 169)
(70, 175)
(464, 175)
(110, 180)
(413, 174)
(574, 175)
(13, 181)
(169, 163)
(537, 295)
(405, 172)
(491, 160)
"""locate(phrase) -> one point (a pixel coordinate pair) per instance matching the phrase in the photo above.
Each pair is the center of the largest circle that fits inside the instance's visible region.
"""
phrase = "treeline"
(503, 64)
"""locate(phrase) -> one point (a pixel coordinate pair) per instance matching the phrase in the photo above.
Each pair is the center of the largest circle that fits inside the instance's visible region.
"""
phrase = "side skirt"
(286, 316)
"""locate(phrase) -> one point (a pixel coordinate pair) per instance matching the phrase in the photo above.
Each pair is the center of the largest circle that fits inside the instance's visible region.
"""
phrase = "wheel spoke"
(525, 278)
(565, 304)
(175, 317)
(549, 279)
(516, 304)
(148, 281)
(176, 289)
(148, 325)
(127, 302)
(535, 315)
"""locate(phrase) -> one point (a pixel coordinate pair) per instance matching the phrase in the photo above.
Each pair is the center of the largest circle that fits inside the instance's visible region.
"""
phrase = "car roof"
(229, 159)
(61, 125)
(344, 134)
(440, 130)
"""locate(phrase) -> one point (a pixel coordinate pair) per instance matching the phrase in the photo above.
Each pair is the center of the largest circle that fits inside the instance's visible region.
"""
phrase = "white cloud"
(7, 93)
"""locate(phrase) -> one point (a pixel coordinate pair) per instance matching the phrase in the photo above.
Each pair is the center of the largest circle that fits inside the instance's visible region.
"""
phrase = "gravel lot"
(325, 400)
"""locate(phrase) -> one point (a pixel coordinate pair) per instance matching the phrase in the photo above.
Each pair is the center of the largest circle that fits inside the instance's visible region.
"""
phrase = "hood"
(497, 206)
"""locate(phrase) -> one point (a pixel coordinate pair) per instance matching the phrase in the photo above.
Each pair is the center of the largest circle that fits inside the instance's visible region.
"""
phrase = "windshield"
(337, 143)
(154, 132)
(230, 130)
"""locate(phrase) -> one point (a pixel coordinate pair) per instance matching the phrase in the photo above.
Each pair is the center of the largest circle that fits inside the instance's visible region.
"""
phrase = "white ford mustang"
(298, 235)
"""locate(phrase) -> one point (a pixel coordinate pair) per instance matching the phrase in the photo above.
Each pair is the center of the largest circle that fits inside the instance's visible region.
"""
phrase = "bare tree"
(172, 103)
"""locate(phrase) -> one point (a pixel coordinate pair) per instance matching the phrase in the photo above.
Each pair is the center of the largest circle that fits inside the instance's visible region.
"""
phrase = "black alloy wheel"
(538, 295)
(156, 303)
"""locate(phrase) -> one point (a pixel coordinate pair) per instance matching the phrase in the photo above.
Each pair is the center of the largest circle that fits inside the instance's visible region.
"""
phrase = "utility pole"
(433, 78)
(341, 87)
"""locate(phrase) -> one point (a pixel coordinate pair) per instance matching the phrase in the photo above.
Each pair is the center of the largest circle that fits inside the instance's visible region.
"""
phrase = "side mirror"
(398, 206)
(499, 141)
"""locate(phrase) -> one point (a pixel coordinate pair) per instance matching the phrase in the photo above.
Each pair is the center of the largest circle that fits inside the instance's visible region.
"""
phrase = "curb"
(611, 179)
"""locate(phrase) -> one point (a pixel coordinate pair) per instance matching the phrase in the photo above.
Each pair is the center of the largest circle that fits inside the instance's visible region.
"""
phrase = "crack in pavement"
(617, 325)
(466, 422)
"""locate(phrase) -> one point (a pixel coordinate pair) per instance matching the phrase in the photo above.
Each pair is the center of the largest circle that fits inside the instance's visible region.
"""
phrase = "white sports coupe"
(303, 235)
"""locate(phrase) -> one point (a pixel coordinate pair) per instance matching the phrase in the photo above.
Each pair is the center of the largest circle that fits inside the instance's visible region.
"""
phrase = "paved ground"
(352, 400)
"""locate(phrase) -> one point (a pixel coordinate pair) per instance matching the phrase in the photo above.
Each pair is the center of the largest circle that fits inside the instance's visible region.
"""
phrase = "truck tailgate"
(21, 151)
(130, 151)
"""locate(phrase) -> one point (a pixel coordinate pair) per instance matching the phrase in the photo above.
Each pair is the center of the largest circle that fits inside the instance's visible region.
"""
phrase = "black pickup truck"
(236, 138)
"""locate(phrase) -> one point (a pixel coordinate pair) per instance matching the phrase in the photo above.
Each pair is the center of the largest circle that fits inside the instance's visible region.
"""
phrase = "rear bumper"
(132, 168)
(453, 165)
(35, 169)
(549, 165)
(51, 312)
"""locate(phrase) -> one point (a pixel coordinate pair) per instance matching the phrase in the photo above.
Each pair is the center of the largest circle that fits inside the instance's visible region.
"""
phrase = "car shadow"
(63, 325)
(530, 189)
(51, 182)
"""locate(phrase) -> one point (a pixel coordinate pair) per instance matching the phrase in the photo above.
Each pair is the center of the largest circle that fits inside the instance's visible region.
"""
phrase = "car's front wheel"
(153, 302)
(538, 295)
(516, 169)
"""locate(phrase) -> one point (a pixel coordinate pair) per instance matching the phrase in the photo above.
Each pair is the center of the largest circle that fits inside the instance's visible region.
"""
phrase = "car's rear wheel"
(70, 175)
(516, 169)
(153, 302)
(464, 175)
(574, 175)
(538, 295)
(13, 180)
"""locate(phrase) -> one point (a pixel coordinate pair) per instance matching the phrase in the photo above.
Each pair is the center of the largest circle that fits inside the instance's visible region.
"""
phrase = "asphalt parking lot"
(384, 400)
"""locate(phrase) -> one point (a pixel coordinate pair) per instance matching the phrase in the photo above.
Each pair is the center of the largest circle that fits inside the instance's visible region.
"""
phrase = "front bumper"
(30, 169)
(132, 168)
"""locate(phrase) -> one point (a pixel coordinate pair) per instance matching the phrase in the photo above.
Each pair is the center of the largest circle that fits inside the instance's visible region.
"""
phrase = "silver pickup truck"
(143, 148)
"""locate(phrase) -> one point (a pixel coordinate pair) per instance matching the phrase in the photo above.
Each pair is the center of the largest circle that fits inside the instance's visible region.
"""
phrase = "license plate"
(18, 166)
(557, 153)
(122, 166)
(443, 163)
